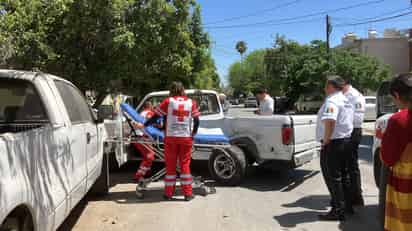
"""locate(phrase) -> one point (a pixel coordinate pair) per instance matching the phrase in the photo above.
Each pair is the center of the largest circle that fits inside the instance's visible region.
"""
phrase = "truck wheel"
(17, 224)
(377, 166)
(102, 184)
(228, 166)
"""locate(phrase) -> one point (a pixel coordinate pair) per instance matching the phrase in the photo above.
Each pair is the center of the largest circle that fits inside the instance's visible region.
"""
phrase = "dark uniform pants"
(354, 172)
(334, 161)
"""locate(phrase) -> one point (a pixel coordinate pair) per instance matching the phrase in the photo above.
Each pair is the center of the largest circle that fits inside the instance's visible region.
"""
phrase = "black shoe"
(167, 198)
(349, 211)
(333, 215)
(358, 202)
(189, 198)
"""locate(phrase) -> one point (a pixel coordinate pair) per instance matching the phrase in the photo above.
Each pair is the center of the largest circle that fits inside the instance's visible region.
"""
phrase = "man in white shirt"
(358, 102)
(266, 103)
(334, 129)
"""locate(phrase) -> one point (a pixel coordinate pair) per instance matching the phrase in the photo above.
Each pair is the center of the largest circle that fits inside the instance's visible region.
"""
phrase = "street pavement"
(266, 200)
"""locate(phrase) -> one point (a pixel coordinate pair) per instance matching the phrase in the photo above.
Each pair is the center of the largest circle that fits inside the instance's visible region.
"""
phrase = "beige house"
(393, 48)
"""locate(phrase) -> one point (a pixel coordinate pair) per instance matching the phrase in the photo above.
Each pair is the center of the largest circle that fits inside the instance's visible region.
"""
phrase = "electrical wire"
(269, 22)
(375, 20)
(260, 12)
(353, 20)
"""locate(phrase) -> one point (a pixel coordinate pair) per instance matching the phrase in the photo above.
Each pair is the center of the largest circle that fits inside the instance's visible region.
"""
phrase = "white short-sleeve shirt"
(267, 105)
(338, 108)
(358, 102)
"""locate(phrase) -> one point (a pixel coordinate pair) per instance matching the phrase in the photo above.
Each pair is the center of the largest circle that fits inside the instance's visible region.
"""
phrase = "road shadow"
(314, 202)
(74, 216)
(365, 217)
(284, 181)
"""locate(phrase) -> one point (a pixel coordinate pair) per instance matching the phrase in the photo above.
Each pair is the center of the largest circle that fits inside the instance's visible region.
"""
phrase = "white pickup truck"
(51, 151)
(278, 140)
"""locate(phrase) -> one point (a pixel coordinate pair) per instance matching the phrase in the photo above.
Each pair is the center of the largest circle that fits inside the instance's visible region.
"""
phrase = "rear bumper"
(304, 157)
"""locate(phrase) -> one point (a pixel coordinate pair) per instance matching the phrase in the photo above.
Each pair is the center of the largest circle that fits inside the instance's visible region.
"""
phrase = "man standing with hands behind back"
(358, 102)
(334, 129)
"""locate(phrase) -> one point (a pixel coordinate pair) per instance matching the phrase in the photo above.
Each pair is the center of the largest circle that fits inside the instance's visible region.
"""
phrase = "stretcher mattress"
(204, 135)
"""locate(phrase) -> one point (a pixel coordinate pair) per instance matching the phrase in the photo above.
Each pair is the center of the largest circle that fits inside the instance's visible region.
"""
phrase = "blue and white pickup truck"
(277, 140)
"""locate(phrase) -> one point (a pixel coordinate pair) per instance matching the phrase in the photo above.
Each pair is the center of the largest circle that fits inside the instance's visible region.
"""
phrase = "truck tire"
(377, 166)
(228, 166)
(17, 222)
(102, 185)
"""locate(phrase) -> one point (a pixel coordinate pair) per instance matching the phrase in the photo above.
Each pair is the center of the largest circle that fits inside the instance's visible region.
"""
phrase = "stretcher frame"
(156, 146)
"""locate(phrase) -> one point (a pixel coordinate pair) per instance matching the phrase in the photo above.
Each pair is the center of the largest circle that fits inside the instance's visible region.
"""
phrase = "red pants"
(175, 151)
(148, 157)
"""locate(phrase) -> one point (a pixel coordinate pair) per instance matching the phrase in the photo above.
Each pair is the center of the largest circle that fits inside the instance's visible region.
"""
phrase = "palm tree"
(241, 47)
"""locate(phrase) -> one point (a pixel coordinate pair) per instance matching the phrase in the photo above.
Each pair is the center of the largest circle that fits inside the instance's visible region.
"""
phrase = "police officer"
(334, 129)
(358, 102)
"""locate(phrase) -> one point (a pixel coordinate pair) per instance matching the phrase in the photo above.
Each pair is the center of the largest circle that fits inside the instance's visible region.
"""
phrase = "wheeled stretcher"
(206, 139)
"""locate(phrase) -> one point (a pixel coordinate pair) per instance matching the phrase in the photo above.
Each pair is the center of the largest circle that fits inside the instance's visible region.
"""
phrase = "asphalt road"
(266, 200)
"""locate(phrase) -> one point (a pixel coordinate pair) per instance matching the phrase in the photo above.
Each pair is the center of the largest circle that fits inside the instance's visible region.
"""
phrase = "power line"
(298, 17)
(277, 7)
(374, 17)
(375, 20)
(273, 24)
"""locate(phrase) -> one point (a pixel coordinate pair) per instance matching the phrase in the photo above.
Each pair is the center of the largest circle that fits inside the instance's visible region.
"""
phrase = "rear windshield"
(370, 101)
(20, 103)
(385, 102)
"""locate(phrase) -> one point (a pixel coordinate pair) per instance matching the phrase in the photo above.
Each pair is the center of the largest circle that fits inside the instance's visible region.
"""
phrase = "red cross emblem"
(180, 113)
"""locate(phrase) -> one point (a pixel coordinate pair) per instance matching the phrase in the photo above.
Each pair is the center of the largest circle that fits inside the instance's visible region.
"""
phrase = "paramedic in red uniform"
(144, 149)
(182, 122)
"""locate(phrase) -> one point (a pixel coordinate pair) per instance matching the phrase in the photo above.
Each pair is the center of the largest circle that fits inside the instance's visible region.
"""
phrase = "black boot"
(349, 210)
(358, 201)
(167, 198)
(333, 215)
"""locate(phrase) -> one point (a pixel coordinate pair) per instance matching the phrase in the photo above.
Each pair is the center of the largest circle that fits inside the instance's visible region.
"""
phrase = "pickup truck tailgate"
(305, 132)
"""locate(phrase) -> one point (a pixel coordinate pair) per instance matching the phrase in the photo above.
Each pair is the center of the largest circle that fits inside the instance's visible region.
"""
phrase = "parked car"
(251, 102)
(276, 141)
(370, 108)
(51, 148)
(233, 101)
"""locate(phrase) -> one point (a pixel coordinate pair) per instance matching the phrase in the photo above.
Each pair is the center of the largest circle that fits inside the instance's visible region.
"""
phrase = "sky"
(258, 21)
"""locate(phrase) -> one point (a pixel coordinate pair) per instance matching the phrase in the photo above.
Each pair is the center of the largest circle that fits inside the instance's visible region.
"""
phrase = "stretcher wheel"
(205, 190)
(139, 193)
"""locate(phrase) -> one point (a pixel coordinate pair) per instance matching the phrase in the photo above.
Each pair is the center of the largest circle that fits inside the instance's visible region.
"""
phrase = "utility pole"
(328, 32)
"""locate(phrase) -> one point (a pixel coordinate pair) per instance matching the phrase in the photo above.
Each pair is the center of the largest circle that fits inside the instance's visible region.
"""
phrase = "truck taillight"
(287, 133)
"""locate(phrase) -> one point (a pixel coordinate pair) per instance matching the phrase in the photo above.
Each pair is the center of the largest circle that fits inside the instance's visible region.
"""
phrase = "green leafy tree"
(296, 70)
(245, 77)
(204, 70)
(135, 46)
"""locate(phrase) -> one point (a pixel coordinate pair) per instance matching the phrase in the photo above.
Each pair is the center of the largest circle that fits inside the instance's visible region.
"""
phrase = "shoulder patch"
(329, 110)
